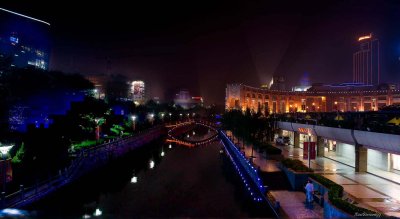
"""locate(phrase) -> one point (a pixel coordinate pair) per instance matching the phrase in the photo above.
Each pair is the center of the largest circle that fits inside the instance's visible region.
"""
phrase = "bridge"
(188, 126)
(85, 161)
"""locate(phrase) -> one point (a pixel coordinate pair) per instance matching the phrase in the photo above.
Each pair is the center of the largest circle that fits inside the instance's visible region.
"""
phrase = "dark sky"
(203, 45)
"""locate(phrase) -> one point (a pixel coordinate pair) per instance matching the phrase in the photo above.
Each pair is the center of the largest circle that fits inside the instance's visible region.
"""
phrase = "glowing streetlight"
(98, 212)
(170, 146)
(152, 164)
(152, 118)
(4, 153)
(133, 122)
(162, 153)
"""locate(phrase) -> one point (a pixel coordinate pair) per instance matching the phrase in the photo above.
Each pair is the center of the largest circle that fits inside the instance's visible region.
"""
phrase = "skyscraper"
(24, 39)
(366, 61)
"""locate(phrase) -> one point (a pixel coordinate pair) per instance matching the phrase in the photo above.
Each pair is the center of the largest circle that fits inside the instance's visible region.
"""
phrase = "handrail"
(28, 194)
(235, 155)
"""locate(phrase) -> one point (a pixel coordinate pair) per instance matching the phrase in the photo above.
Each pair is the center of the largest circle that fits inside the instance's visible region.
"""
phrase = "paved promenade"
(292, 202)
(366, 189)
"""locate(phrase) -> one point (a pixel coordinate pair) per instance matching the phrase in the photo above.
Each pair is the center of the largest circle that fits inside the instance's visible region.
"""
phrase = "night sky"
(202, 46)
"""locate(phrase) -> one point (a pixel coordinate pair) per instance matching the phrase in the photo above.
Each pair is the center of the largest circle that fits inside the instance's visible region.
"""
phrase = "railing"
(364, 121)
(192, 143)
(85, 161)
(247, 172)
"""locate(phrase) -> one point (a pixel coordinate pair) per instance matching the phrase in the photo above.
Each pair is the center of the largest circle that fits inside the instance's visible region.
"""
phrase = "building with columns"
(319, 98)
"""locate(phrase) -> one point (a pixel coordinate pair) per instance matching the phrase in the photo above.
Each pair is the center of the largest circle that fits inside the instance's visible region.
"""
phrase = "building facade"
(24, 40)
(366, 61)
(138, 92)
(321, 98)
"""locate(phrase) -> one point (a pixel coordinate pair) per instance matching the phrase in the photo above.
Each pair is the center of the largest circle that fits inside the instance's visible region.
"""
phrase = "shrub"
(269, 149)
(295, 165)
(335, 195)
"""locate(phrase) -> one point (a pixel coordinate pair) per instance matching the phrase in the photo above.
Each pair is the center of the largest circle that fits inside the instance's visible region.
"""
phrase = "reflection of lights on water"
(134, 179)
(86, 216)
(162, 153)
(97, 212)
(151, 164)
(170, 146)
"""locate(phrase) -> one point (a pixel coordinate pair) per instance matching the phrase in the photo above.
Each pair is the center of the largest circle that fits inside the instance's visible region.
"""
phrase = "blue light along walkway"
(184, 182)
(247, 172)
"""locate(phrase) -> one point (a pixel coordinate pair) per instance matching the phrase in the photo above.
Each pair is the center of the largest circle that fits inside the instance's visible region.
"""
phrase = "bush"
(335, 195)
(295, 165)
(269, 149)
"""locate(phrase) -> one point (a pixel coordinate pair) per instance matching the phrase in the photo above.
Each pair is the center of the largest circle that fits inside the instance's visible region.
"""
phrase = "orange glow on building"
(242, 97)
(365, 37)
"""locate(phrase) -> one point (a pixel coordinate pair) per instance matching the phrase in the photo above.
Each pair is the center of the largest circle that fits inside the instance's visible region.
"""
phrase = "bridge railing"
(85, 160)
(252, 182)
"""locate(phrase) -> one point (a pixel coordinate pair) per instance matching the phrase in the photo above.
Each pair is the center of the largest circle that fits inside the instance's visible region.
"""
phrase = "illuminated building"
(138, 92)
(186, 101)
(366, 61)
(318, 98)
(99, 81)
(24, 39)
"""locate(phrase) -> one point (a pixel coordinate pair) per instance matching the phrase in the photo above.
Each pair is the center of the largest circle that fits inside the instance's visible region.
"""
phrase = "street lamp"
(152, 118)
(4, 153)
(309, 150)
(133, 122)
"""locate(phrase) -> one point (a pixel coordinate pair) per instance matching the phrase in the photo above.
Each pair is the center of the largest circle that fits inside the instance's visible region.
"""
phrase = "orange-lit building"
(319, 98)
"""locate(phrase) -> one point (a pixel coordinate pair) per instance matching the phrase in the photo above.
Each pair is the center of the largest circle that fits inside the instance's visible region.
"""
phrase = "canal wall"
(247, 172)
(86, 160)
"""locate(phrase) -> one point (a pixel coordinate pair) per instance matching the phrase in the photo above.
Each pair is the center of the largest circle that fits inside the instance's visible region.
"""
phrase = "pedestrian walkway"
(294, 206)
(292, 202)
(365, 189)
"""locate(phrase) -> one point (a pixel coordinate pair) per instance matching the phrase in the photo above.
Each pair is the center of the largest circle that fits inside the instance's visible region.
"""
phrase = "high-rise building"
(138, 92)
(24, 39)
(366, 61)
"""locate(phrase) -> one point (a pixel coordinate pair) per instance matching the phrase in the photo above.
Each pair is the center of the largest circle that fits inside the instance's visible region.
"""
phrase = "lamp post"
(4, 152)
(133, 122)
(309, 150)
(151, 118)
(97, 120)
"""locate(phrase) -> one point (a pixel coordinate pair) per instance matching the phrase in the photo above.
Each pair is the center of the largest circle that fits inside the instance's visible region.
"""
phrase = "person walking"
(309, 192)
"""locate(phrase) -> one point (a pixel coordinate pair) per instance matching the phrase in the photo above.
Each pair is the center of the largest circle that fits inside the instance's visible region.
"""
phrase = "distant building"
(366, 61)
(99, 81)
(319, 98)
(24, 39)
(138, 92)
(277, 83)
(186, 101)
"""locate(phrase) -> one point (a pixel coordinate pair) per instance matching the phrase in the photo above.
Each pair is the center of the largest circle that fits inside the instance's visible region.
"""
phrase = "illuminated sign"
(364, 37)
(305, 130)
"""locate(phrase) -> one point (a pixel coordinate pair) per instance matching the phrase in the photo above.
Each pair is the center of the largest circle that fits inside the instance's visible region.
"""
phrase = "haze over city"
(204, 45)
(188, 109)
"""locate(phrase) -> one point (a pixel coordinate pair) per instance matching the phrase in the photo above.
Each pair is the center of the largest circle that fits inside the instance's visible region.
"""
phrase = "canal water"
(184, 182)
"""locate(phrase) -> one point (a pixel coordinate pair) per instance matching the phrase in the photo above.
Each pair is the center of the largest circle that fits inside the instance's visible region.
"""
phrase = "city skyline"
(206, 46)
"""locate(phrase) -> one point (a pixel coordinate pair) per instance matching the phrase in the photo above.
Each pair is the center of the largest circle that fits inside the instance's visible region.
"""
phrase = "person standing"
(309, 191)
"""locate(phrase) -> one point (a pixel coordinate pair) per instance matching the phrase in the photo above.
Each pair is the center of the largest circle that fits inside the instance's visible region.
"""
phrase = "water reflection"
(188, 182)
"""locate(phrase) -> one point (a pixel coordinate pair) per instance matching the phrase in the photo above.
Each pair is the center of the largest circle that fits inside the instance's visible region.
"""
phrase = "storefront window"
(396, 162)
